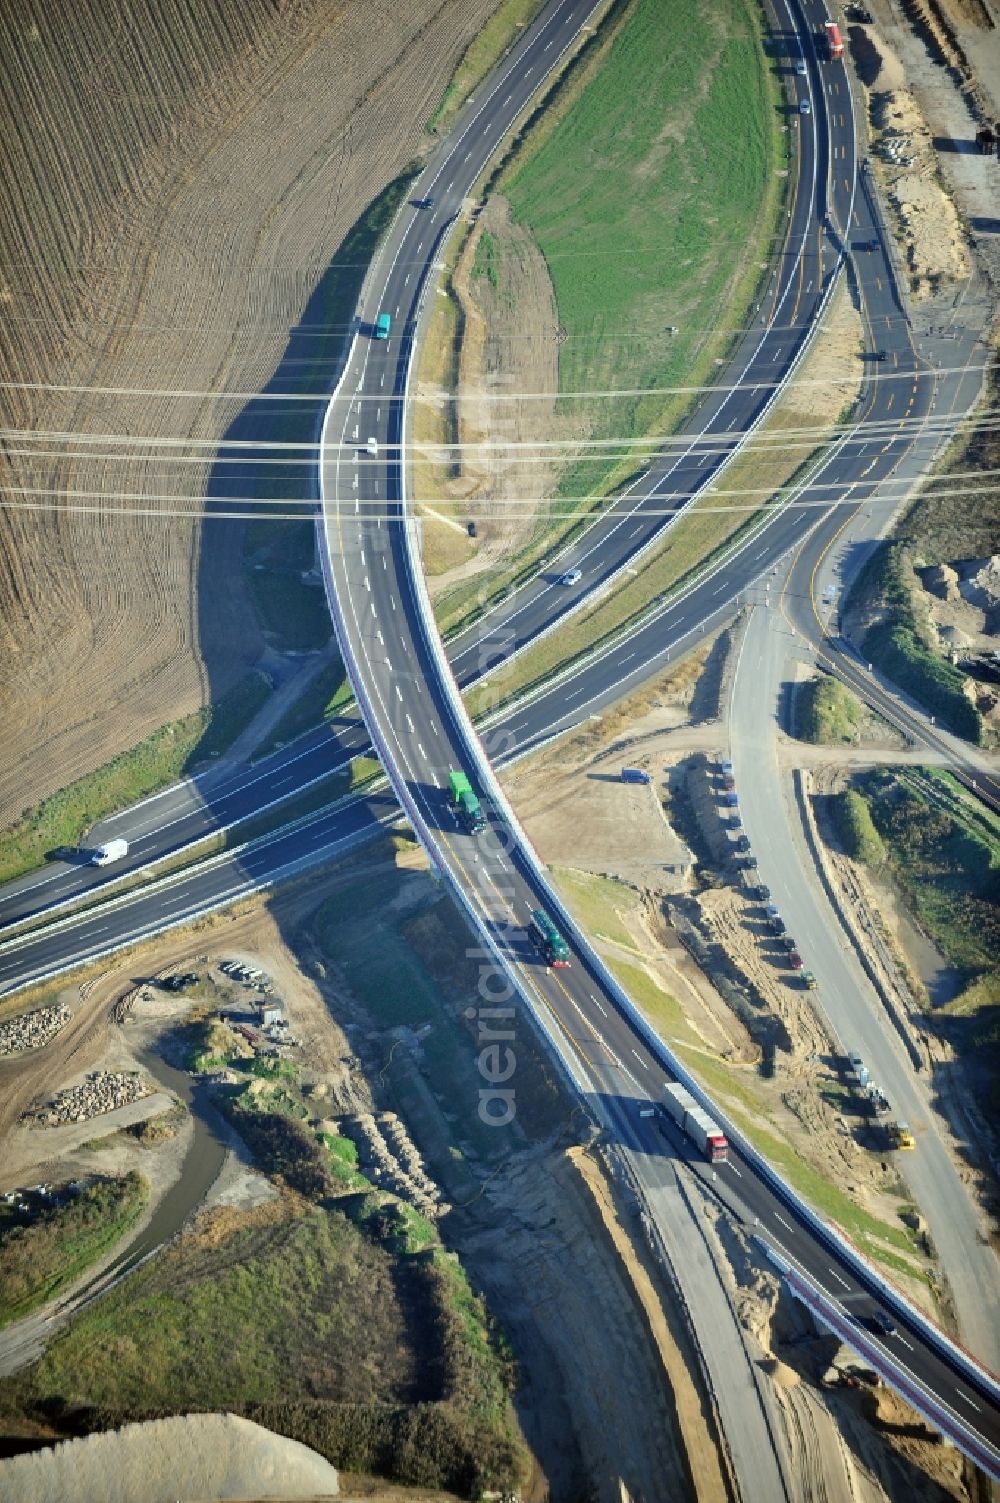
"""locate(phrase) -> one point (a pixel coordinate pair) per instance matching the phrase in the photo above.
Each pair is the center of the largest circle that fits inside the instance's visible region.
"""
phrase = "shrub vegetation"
(827, 713)
(902, 650)
(38, 1260)
(858, 833)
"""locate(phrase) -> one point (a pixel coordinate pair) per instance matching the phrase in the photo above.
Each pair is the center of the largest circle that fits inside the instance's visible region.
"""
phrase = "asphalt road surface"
(399, 684)
(844, 991)
(768, 350)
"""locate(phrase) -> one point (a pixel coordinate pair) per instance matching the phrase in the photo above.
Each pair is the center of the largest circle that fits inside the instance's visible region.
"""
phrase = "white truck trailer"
(695, 1121)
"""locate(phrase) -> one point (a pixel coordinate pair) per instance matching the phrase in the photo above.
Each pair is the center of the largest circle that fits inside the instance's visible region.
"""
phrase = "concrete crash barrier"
(475, 758)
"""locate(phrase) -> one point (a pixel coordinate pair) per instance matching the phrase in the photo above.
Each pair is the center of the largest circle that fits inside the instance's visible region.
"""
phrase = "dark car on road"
(881, 1324)
(743, 844)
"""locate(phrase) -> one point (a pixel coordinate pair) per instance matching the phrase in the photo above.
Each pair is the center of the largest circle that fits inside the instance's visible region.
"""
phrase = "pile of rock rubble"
(102, 1091)
(390, 1157)
(32, 1029)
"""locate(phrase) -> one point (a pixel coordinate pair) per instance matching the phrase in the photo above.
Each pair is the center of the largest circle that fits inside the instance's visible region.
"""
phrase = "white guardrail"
(828, 1234)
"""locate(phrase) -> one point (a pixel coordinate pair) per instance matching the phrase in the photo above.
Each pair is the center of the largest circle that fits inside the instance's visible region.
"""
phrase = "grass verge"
(673, 183)
(494, 39)
(38, 1261)
(58, 823)
(899, 643)
(594, 901)
(876, 1238)
(856, 828)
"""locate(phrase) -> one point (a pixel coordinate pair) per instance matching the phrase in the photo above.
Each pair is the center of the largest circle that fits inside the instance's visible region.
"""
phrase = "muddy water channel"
(200, 1169)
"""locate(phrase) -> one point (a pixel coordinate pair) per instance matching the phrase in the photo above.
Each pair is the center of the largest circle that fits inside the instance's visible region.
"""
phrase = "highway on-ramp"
(419, 736)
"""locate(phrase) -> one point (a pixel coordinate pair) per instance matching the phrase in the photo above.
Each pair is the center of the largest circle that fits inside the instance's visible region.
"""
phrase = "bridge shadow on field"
(261, 602)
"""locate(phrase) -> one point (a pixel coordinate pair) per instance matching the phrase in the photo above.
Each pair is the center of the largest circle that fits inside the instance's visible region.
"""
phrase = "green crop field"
(654, 223)
(652, 199)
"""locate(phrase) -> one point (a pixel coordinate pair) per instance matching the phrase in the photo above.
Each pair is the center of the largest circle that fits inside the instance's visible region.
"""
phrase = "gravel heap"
(195, 1456)
(32, 1029)
(102, 1091)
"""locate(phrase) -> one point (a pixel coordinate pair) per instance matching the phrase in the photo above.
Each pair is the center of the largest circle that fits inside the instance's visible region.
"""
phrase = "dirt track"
(172, 193)
(508, 345)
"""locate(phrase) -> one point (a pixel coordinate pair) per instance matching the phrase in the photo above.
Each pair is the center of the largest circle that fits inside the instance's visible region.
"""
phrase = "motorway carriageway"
(419, 733)
(899, 391)
(824, 180)
(614, 1058)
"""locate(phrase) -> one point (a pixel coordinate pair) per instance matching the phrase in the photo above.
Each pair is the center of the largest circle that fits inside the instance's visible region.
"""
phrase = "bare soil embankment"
(577, 1340)
(506, 375)
(173, 192)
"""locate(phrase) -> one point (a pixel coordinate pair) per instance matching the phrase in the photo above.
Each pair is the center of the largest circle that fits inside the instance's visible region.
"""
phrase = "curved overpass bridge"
(411, 706)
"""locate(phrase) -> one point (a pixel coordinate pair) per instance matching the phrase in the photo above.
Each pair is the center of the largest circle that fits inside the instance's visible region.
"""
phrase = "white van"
(113, 850)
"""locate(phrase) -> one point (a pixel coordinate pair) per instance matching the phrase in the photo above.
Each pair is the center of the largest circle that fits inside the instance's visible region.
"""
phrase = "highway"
(881, 445)
(419, 733)
(845, 996)
(219, 800)
(901, 389)
(759, 363)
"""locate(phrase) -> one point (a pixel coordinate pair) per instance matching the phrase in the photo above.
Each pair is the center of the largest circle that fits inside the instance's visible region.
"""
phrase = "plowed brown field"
(174, 178)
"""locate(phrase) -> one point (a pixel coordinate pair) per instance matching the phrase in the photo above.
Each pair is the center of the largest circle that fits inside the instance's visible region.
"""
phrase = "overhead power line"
(368, 508)
(492, 396)
(230, 450)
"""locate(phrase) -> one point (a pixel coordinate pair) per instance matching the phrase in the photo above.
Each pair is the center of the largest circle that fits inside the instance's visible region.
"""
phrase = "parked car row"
(748, 865)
